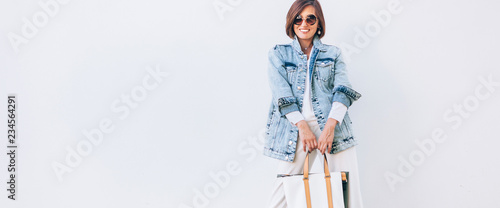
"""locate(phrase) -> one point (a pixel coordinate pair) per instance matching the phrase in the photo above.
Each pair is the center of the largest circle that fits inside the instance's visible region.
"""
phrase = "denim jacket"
(287, 75)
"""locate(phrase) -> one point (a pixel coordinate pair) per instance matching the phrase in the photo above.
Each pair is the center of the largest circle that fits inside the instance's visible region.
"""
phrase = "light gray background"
(203, 116)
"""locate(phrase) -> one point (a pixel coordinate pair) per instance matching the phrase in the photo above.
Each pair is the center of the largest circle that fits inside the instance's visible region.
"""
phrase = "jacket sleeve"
(342, 89)
(280, 88)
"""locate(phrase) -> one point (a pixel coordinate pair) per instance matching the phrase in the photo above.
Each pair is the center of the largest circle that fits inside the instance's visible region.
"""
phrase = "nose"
(303, 23)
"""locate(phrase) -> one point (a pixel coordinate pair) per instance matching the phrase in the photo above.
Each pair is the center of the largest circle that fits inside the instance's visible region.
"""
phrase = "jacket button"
(299, 87)
(290, 142)
(286, 158)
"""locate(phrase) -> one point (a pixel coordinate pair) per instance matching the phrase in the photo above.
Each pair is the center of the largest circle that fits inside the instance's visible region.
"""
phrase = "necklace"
(308, 46)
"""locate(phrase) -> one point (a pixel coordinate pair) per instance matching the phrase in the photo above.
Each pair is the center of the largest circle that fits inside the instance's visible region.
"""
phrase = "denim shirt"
(329, 83)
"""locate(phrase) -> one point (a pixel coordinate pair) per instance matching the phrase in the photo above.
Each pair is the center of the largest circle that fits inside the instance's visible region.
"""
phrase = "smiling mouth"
(302, 30)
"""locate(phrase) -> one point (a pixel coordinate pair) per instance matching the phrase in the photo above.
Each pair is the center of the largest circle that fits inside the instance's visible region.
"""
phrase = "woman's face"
(305, 30)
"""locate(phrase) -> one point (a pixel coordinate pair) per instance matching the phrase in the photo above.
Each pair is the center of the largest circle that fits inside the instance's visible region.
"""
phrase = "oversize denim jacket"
(329, 83)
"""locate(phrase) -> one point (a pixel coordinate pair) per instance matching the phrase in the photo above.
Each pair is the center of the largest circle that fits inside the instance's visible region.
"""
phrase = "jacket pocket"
(324, 69)
(324, 73)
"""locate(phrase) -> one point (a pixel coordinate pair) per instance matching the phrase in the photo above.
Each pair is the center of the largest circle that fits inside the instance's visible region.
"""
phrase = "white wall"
(206, 115)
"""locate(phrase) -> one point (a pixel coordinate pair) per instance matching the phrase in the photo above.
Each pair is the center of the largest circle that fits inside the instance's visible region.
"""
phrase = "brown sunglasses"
(310, 20)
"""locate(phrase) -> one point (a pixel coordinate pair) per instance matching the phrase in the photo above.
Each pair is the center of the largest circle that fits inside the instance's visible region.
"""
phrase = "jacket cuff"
(342, 98)
(345, 95)
(287, 105)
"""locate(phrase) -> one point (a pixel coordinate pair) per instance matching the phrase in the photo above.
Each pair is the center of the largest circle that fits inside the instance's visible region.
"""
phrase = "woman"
(310, 97)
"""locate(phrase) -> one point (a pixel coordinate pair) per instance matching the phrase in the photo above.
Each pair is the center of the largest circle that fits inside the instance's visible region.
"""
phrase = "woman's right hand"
(307, 136)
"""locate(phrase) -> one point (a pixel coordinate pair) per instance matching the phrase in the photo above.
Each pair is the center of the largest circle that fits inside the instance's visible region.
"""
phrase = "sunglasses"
(310, 20)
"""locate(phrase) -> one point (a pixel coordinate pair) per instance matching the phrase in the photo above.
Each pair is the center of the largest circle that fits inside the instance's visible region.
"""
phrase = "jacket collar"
(316, 44)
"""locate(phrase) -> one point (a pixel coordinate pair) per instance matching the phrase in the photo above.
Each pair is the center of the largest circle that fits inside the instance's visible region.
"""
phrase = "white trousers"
(345, 160)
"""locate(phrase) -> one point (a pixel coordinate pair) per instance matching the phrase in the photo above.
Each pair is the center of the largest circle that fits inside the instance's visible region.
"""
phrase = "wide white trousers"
(345, 160)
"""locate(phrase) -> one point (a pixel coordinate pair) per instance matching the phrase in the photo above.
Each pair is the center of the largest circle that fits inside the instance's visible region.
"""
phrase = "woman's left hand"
(326, 138)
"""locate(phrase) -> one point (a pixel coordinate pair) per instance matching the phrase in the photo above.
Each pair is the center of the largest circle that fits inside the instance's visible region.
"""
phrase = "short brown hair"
(295, 10)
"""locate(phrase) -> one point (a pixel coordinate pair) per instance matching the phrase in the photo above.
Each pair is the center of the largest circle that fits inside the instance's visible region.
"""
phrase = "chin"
(305, 36)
